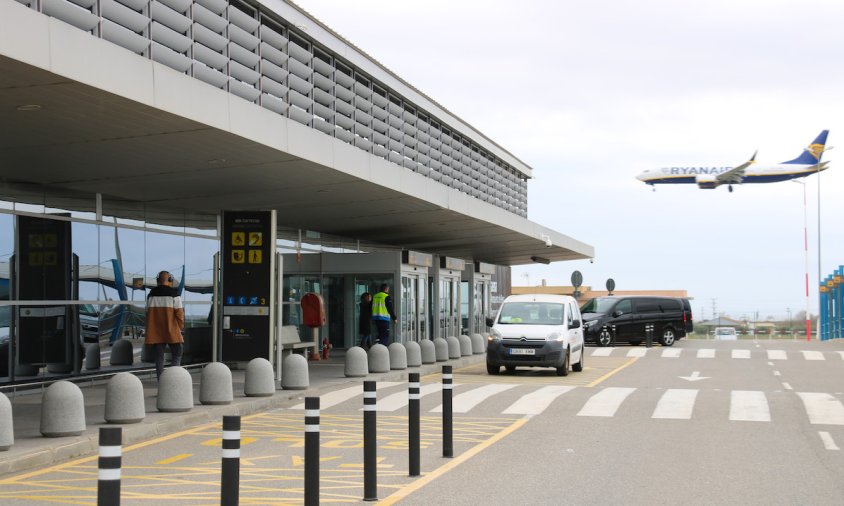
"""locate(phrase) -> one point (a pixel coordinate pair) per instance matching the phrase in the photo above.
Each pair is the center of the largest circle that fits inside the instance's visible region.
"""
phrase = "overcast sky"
(590, 93)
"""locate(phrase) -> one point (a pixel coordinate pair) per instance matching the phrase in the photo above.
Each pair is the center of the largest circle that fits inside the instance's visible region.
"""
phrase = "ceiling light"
(29, 107)
(540, 260)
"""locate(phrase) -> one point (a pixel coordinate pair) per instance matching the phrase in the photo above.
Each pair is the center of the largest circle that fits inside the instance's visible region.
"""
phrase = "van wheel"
(493, 369)
(578, 367)
(604, 338)
(564, 370)
(668, 337)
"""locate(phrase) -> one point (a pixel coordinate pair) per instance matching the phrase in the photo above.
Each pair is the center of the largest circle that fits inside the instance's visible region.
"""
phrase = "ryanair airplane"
(809, 162)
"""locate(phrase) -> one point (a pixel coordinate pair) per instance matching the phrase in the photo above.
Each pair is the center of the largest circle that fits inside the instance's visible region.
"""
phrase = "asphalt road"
(701, 422)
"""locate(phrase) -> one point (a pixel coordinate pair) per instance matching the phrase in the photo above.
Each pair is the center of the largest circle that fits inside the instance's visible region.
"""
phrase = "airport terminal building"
(254, 154)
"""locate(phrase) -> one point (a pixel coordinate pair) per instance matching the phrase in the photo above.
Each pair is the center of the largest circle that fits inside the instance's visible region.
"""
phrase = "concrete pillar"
(260, 378)
(62, 410)
(441, 349)
(175, 390)
(294, 372)
(7, 426)
(357, 363)
(465, 345)
(122, 353)
(478, 344)
(379, 358)
(414, 354)
(453, 347)
(429, 352)
(215, 384)
(92, 357)
(398, 356)
(124, 399)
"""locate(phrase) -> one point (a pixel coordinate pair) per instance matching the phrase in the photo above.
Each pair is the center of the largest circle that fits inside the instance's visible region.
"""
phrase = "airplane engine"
(706, 181)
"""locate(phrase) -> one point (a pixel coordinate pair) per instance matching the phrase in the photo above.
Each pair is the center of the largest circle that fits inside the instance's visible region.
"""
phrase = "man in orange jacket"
(165, 321)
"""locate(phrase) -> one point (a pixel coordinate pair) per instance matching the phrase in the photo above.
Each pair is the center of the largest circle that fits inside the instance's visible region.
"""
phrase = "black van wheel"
(604, 338)
(668, 337)
(493, 369)
(578, 367)
(564, 370)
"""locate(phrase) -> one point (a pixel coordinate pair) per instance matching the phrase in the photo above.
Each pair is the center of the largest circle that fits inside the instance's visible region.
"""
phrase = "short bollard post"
(311, 451)
(649, 335)
(230, 479)
(613, 336)
(109, 462)
(448, 432)
(413, 429)
(370, 457)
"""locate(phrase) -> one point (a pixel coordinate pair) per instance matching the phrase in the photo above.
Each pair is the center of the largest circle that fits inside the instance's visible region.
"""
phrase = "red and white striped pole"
(806, 250)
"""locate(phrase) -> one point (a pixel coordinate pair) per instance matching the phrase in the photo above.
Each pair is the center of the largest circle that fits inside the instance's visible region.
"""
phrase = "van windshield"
(531, 313)
(598, 305)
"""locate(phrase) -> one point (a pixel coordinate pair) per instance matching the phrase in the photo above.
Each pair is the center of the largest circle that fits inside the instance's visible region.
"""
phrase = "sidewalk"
(31, 450)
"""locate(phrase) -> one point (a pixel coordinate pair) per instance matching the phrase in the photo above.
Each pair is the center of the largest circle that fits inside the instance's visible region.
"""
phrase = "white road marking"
(813, 355)
(637, 352)
(776, 373)
(841, 353)
(777, 355)
(787, 386)
(749, 406)
(706, 353)
(741, 354)
(828, 442)
(823, 409)
(538, 401)
(671, 352)
(464, 402)
(602, 352)
(338, 396)
(399, 400)
(606, 402)
(676, 404)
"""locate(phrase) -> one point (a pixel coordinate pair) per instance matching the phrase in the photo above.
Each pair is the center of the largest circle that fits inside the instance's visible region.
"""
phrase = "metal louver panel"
(124, 37)
(242, 19)
(409, 141)
(298, 84)
(136, 5)
(244, 90)
(362, 130)
(345, 107)
(243, 38)
(163, 35)
(123, 16)
(344, 121)
(209, 38)
(272, 37)
(208, 19)
(243, 73)
(363, 143)
(395, 158)
(324, 112)
(323, 82)
(362, 117)
(85, 4)
(322, 67)
(209, 57)
(362, 90)
(380, 126)
(344, 79)
(298, 52)
(344, 93)
(362, 103)
(298, 68)
(168, 17)
(274, 104)
(344, 135)
(273, 71)
(380, 113)
(215, 6)
(273, 87)
(379, 138)
(380, 151)
(166, 56)
(180, 6)
(209, 75)
(395, 121)
(396, 134)
(243, 56)
(71, 14)
(410, 117)
(422, 148)
(324, 126)
(300, 100)
(299, 115)
(274, 55)
(323, 97)
(379, 100)
(409, 129)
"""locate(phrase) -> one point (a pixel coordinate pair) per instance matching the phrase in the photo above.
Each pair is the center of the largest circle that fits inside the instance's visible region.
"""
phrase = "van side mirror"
(490, 321)
(575, 324)
(616, 314)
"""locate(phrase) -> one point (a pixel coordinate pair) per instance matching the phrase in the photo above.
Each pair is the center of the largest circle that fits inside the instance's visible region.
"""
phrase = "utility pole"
(715, 311)
(788, 312)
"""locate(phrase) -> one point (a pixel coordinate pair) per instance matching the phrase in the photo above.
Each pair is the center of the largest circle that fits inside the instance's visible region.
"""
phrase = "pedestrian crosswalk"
(522, 399)
(736, 353)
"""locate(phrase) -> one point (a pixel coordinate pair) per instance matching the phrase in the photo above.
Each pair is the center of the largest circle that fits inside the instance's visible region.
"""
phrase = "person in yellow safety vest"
(382, 313)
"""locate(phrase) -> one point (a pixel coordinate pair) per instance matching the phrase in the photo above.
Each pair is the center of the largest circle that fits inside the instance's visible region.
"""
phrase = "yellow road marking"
(428, 478)
(174, 459)
(617, 369)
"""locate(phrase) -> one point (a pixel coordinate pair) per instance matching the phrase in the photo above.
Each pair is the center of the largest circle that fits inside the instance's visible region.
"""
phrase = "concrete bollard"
(92, 357)
(398, 357)
(429, 352)
(379, 358)
(414, 354)
(175, 390)
(148, 353)
(124, 399)
(215, 384)
(441, 348)
(453, 347)
(294, 372)
(122, 353)
(62, 410)
(7, 426)
(478, 344)
(357, 363)
(465, 345)
(260, 378)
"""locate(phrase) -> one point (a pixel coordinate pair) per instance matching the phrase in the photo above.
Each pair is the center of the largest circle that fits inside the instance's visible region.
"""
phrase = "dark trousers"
(383, 327)
(175, 350)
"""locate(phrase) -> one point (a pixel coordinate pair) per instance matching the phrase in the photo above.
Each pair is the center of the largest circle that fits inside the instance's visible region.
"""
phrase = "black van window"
(647, 306)
(625, 306)
(670, 305)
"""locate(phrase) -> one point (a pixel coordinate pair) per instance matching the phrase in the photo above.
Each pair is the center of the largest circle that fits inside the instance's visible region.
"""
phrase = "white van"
(538, 330)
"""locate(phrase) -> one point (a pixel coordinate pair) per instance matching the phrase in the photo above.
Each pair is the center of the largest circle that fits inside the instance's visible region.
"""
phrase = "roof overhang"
(114, 123)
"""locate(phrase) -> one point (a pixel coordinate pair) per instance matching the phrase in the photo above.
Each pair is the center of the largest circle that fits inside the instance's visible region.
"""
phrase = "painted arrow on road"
(694, 377)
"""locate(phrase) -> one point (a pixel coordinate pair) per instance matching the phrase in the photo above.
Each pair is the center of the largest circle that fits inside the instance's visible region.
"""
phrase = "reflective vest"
(379, 307)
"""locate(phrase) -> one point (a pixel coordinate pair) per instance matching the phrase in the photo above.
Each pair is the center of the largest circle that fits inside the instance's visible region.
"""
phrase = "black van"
(671, 317)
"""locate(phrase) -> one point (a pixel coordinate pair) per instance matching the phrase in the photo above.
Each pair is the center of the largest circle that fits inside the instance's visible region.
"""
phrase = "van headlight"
(494, 335)
(555, 336)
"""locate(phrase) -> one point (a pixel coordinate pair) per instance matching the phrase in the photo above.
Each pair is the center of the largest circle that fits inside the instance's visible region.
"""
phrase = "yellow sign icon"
(36, 258)
(256, 238)
(36, 241)
(51, 258)
(51, 241)
(238, 256)
(255, 256)
(238, 238)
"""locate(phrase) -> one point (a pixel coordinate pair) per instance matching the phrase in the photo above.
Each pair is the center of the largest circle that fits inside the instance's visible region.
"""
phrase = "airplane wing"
(736, 174)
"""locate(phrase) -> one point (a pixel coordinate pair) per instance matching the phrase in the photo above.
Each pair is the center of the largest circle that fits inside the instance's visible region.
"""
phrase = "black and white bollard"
(448, 431)
(311, 451)
(649, 335)
(109, 462)
(370, 443)
(413, 429)
(614, 336)
(230, 479)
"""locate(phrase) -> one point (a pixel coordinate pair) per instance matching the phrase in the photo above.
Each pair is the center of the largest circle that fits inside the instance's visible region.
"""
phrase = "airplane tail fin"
(812, 154)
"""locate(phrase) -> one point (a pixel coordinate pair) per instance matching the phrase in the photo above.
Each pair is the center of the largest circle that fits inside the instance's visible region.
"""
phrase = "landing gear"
(730, 188)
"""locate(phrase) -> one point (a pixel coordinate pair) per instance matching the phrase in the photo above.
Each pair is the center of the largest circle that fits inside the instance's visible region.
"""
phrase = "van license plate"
(522, 351)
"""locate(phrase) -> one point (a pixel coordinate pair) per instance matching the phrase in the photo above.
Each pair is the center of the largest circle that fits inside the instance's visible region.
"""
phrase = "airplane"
(809, 162)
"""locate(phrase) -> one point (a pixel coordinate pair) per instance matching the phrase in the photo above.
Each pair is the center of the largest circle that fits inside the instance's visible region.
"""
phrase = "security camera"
(548, 243)
(591, 260)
